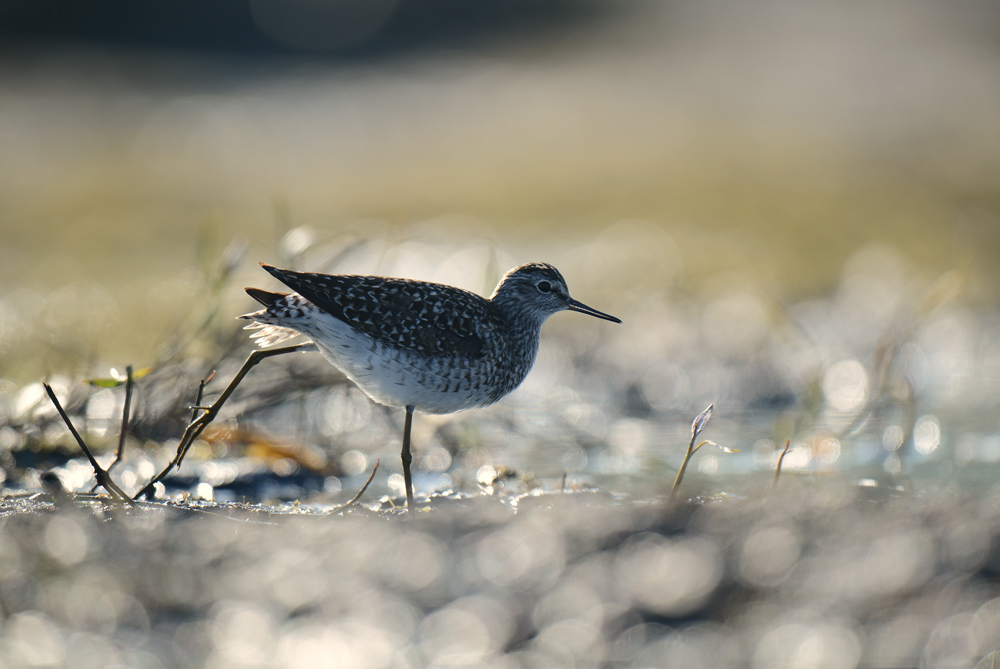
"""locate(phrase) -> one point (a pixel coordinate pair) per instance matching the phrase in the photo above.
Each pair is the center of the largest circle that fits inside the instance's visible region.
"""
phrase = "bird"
(417, 345)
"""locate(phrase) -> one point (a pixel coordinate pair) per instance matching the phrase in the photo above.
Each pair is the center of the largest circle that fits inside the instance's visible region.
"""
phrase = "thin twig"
(125, 418)
(102, 476)
(201, 422)
(781, 458)
(201, 393)
(354, 500)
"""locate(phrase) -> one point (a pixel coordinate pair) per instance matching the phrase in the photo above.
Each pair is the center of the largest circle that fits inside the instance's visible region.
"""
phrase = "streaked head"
(539, 290)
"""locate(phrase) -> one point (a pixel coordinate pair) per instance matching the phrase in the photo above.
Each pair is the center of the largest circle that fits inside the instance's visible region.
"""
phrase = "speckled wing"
(430, 319)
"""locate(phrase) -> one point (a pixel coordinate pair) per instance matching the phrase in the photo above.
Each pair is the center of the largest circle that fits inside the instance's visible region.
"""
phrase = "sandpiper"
(414, 344)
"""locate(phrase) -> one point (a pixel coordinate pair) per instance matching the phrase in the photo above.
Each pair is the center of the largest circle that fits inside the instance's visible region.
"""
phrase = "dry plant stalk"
(103, 479)
(781, 458)
(354, 500)
(198, 423)
(126, 414)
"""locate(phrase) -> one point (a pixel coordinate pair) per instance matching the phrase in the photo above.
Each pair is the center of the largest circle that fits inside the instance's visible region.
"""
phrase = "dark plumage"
(416, 344)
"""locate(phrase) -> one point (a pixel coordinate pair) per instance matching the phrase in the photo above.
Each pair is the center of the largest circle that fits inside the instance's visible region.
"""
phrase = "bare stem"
(354, 500)
(680, 472)
(129, 386)
(201, 394)
(781, 458)
(103, 479)
(198, 424)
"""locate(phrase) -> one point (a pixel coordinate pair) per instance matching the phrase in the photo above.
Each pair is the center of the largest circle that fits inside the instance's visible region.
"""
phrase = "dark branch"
(199, 423)
(103, 479)
(129, 384)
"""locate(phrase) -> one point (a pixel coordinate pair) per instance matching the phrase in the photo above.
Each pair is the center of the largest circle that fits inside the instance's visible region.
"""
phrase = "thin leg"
(407, 458)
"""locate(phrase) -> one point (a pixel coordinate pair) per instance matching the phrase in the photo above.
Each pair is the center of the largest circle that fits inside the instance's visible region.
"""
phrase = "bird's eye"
(544, 287)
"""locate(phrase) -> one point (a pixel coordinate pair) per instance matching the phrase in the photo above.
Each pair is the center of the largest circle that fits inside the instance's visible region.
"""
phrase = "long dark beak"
(573, 305)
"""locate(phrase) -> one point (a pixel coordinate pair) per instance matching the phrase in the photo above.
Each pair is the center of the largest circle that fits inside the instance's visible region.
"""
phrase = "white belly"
(397, 378)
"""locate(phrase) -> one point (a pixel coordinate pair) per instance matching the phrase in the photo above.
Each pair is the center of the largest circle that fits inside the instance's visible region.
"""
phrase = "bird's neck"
(524, 335)
(521, 343)
(524, 325)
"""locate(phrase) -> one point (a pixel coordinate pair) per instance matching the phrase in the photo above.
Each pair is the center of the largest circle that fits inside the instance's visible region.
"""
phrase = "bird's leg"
(407, 458)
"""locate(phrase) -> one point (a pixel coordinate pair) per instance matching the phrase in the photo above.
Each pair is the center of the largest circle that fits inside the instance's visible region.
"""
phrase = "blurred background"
(794, 208)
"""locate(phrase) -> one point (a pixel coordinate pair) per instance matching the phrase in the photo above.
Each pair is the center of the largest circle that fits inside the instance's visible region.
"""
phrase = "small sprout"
(700, 421)
(699, 424)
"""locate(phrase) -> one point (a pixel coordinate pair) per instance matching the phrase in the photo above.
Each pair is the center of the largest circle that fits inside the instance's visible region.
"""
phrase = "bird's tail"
(269, 321)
